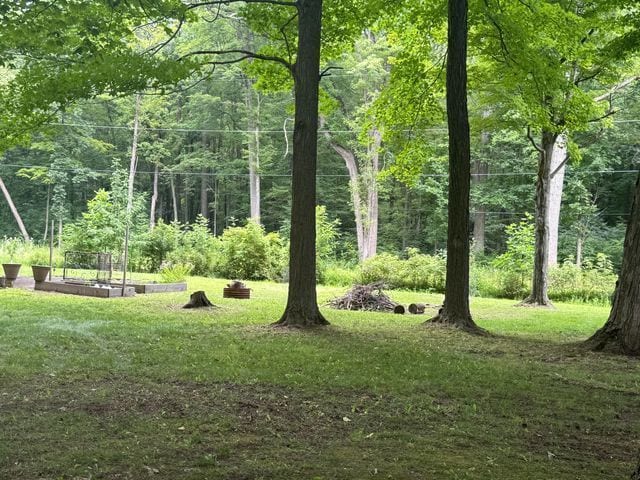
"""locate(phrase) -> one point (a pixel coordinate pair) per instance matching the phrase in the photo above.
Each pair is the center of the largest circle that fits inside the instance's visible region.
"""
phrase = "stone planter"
(40, 272)
(11, 272)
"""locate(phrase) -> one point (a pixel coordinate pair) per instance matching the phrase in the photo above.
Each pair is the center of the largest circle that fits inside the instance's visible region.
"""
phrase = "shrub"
(196, 247)
(248, 253)
(417, 272)
(568, 282)
(159, 242)
(339, 275)
(175, 273)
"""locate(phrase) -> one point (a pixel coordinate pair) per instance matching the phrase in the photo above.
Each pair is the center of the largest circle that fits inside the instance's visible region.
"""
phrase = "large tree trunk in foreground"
(621, 333)
(556, 186)
(14, 211)
(539, 296)
(302, 303)
(455, 309)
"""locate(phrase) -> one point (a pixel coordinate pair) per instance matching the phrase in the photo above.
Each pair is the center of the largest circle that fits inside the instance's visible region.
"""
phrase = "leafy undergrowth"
(139, 388)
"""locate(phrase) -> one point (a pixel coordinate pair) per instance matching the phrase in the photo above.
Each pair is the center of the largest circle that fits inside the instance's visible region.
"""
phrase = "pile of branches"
(364, 297)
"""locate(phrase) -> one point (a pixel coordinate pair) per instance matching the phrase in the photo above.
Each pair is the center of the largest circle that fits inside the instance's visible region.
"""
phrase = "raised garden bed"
(99, 291)
(145, 288)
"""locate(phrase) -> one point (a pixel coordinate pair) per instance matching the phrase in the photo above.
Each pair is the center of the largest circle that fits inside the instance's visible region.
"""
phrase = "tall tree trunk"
(480, 170)
(621, 332)
(59, 233)
(579, 244)
(455, 309)
(204, 197)
(539, 287)
(352, 167)
(174, 198)
(371, 224)
(46, 214)
(302, 303)
(556, 184)
(14, 211)
(253, 127)
(154, 197)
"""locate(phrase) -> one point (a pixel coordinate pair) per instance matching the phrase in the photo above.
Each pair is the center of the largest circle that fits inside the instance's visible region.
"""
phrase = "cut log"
(198, 300)
(399, 309)
(417, 308)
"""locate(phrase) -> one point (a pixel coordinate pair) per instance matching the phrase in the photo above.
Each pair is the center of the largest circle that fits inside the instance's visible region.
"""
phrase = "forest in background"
(205, 144)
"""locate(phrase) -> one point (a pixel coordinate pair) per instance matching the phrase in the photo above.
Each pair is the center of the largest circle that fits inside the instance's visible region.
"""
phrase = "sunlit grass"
(139, 387)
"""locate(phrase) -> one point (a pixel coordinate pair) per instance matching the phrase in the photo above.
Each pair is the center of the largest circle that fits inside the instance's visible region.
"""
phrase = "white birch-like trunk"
(556, 184)
(174, 198)
(154, 198)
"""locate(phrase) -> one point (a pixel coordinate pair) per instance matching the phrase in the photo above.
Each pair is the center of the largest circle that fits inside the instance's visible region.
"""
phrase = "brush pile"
(364, 297)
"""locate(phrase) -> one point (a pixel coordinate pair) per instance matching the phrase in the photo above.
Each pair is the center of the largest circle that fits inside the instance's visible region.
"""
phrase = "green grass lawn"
(138, 388)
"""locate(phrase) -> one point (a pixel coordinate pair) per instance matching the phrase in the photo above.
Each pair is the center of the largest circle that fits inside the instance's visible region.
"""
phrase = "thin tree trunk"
(579, 244)
(621, 332)
(455, 309)
(154, 197)
(556, 184)
(302, 303)
(59, 233)
(480, 170)
(174, 198)
(14, 211)
(133, 164)
(46, 214)
(539, 287)
(371, 225)
(253, 114)
(204, 197)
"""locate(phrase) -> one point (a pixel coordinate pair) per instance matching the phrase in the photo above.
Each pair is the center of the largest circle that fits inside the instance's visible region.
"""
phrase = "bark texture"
(302, 303)
(455, 309)
(539, 285)
(621, 332)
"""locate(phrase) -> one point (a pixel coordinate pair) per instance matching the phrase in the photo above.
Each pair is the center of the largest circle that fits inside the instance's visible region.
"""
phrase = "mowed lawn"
(139, 388)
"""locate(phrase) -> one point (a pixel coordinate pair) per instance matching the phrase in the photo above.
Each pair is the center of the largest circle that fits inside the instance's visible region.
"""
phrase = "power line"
(207, 130)
(220, 174)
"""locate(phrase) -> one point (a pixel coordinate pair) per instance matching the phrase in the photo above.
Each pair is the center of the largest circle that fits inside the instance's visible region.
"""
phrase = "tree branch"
(228, 2)
(617, 87)
(244, 55)
(533, 142)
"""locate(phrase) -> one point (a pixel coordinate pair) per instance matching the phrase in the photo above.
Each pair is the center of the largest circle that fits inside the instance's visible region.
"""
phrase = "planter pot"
(11, 272)
(40, 272)
(244, 293)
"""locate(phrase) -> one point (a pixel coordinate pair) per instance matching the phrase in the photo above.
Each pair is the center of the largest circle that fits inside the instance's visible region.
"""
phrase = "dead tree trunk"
(14, 211)
(204, 197)
(174, 198)
(253, 127)
(621, 332)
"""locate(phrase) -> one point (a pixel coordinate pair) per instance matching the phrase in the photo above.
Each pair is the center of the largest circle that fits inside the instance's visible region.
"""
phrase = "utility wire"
(215, 174)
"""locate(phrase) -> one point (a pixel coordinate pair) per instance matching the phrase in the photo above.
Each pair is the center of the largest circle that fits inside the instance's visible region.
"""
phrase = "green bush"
(159, 242)
(569, 283)
(339, 275)
(196, 247)
(247, 253)
(417, 272)
(175, 273)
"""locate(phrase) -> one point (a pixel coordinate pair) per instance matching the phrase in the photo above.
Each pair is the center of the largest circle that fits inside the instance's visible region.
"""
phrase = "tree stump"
(198, 300)
(399, 309)
(417, 308)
